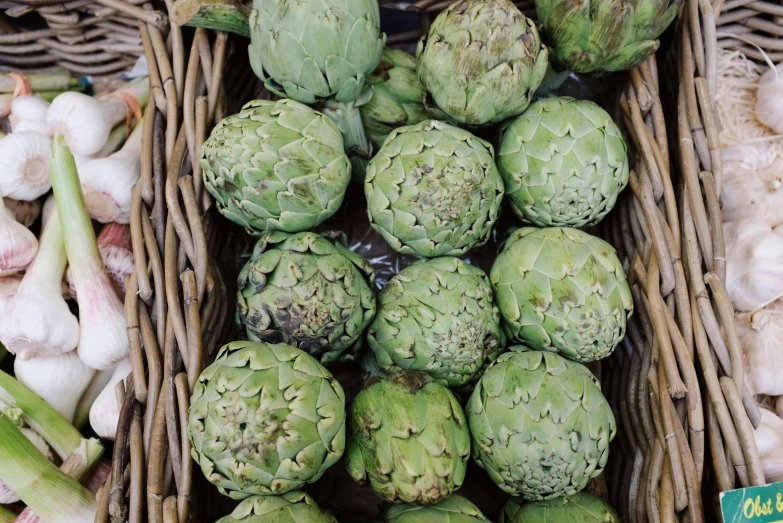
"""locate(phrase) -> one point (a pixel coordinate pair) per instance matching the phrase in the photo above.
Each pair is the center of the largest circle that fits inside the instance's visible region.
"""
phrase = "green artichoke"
(276, 166)
(562, 290)
(433, 190)
(265, 419)
(454, 509)
(307, 290)
(437, 316)
(604, 35)
(541, 427)
(396, 96)
(482, 61)
(408, 438)
(564, 163)
(578, 508)
(292, 507)
(314, 49)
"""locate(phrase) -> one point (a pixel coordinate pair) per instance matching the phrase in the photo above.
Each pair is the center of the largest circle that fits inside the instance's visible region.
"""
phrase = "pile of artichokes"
(456, 362)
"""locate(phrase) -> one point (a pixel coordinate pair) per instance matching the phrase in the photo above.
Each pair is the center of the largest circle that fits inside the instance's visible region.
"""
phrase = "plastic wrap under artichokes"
(396, 96)
(265, 419)
(578, 508)
(541, 427)
(307, 290)
(604, 35)
(453, 509)
(437, 316)
(276, 166)
(562, 290)
(315, 49)
(482, 61)
(408, 438)
(564, 162)
(433, 190)
(292, 507)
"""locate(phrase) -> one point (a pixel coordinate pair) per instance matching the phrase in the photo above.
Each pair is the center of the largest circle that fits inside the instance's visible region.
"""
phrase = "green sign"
(762, 504)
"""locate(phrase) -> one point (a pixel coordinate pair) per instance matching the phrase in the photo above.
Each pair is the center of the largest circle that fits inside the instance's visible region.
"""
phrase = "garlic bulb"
(752, 182)
(49, 207)
(114, 244)
(24, 165)
(103, 339)
(38, 322)
(754, 264)
(23, 211)
(760, 335)
(99, 380)
(86, 122)
(18, 245)
(105, 411)
(107, 183)
(59, 380)
(769, 440)
(7, 496)
(769, 99)
(28, 113)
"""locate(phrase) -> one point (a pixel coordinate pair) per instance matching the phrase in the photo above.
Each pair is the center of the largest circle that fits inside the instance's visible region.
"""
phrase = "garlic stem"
(103, 341)
(18, 245)
(53, 81)
(39, 322)
(59, 380)
(7, 496)
(24, 212)
(105, 411)
(61, 436)
(6, 516)
(43, 487)
(24, 165)
(107, 183)
(87, 122)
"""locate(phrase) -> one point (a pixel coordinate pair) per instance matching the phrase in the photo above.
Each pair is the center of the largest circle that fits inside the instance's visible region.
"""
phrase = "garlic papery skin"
(28, 113)
(754, 264)
(107, 183)
(752, 184)
(769, 440)
(24, 165)
(103, 340)
(7, 496)
(38, 322)
(105, 411)
(18, 246)
(8, 287)
(761, 335)
(769, 99)
(59, 380)
(23, 211)
(86, 122)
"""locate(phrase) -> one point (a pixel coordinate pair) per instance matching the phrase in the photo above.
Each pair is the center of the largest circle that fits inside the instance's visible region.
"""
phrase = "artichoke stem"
(357, 146)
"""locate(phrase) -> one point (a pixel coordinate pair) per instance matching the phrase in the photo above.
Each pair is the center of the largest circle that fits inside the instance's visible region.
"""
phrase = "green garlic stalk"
(52, 495)
(6, 516)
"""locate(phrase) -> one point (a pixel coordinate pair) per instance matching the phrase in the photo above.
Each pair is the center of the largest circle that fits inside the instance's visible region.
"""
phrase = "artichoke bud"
(408, 439)
(292, 507)
(316, 49)
(540, 425)
(482, 61)
(265, 419)
(577, 508)
(605, 35)
(455, 509)
(309, 291)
